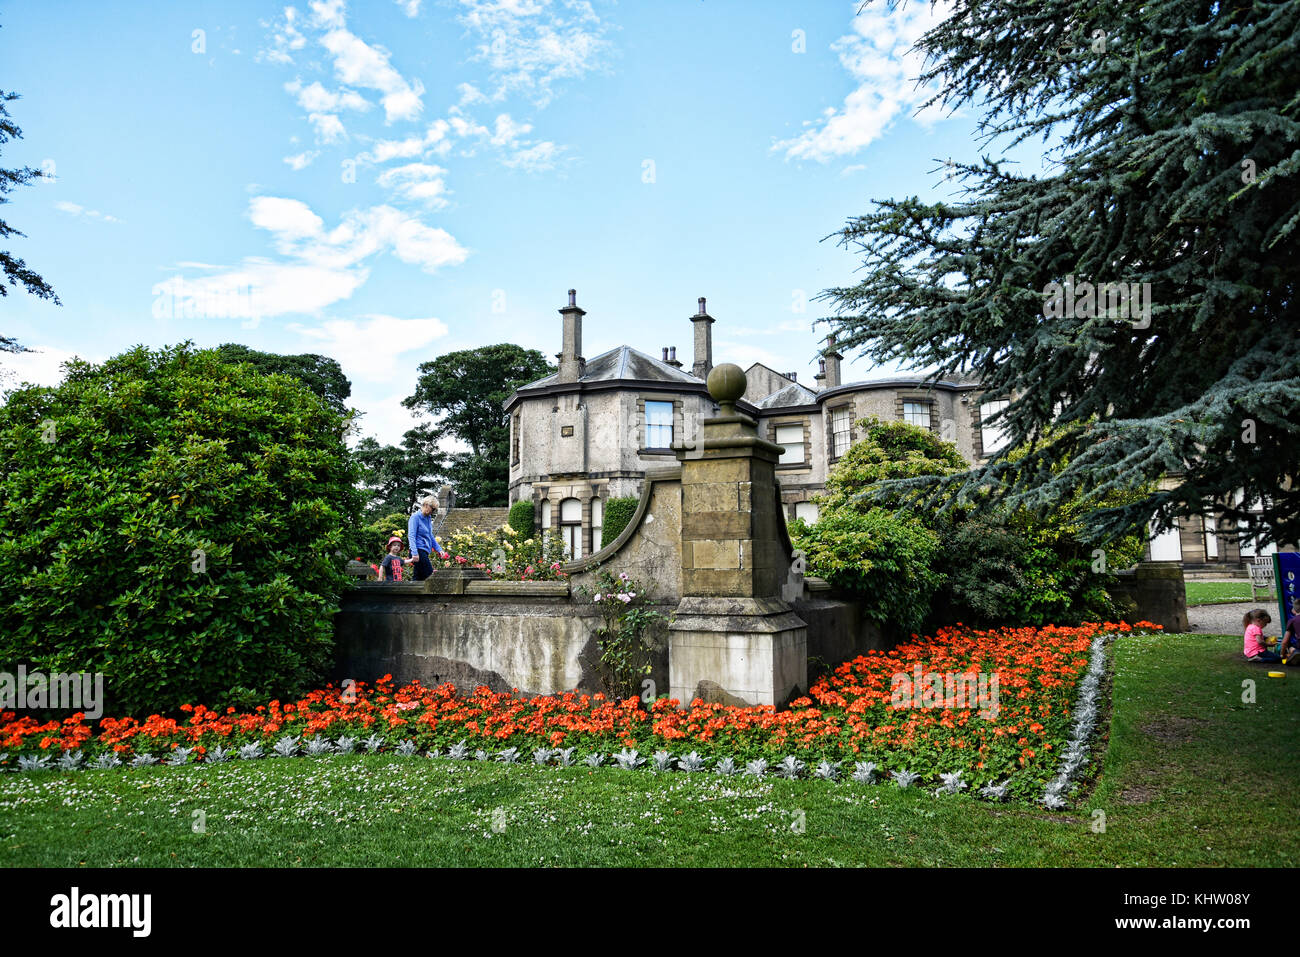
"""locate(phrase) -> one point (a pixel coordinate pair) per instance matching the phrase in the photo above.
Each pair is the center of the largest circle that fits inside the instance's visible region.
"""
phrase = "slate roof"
(793, 394)
(623, 362)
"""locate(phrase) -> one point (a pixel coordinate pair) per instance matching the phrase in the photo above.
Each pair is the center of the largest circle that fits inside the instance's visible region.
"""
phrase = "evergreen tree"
(1174, 145)
(466, 392)
(395, 478)
(15, 271)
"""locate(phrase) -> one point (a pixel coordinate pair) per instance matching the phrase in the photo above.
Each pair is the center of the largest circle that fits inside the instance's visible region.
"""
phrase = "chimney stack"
(572, 365)
(672, 357)
(832, 362)
(703, 323)
(820, 377)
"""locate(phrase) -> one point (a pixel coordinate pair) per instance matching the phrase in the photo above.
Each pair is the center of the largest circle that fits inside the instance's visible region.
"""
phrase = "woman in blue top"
(419, 532)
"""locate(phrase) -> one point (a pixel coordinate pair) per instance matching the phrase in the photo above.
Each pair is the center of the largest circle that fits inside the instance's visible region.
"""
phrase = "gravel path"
(1226, 619)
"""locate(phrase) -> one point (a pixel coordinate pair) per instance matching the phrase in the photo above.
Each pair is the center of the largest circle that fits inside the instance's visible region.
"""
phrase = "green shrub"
(521, 518)
(172, 521)
(882, 559)
(373, 544)
(618, 512)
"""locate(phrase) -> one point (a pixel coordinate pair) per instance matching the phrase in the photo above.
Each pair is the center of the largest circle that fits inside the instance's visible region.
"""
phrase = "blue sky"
(387, 181)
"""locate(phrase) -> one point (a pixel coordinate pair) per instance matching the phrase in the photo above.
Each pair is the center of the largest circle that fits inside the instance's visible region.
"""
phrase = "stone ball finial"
(727, 383)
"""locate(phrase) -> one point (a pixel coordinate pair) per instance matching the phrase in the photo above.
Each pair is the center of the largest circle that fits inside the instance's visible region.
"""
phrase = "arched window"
(571, 527)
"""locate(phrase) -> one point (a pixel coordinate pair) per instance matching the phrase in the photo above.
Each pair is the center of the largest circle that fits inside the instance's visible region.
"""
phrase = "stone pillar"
(733, 638)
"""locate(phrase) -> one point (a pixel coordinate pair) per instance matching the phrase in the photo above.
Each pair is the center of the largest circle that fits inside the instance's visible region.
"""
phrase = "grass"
(1222, 592)
(1192, 777)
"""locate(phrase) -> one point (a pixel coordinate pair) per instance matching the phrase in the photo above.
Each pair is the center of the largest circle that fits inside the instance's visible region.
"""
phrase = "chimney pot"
(665, 353)
(573, 298)
(702, 310)
(672, 353)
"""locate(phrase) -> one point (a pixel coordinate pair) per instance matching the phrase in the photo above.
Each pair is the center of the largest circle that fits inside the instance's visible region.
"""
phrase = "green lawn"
(1221, 592)
(1191, 777)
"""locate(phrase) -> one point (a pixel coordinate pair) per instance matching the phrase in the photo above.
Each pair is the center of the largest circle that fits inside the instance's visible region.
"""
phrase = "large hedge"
(521, 518)
(173, 521)
(618, 512)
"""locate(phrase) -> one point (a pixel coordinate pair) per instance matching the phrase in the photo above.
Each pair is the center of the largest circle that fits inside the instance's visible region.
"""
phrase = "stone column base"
(741, 651)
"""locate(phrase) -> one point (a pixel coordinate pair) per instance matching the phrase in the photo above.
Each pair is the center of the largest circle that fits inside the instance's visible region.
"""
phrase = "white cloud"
(529, 45)
(469, 93)
(434, 140)
(382, 415)
(357, 63)
(314, 98)
(329, 128)
(286, 38)
(508, 131)
(302, 160)
(289, 219)
(880, 54)
(320, 267)
(410, 7)
(39, 367)
(535, 158)
(368, 348)
(328, 14)
(74, 209)
(421, 182)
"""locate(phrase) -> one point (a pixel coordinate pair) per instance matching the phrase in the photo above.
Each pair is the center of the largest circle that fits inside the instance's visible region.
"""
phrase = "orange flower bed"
(871, 708)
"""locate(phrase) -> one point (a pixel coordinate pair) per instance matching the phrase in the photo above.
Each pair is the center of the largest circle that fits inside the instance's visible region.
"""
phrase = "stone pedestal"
(451, 581)
(733, 638)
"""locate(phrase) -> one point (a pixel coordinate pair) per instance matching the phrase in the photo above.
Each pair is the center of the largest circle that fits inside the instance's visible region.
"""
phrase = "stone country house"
(590, 431)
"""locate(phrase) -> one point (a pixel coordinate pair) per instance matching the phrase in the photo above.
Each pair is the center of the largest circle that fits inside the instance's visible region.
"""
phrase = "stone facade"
(593, 429)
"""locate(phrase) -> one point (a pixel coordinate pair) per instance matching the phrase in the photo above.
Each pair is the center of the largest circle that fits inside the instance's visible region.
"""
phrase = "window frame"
(647, 425)
(847, 411)
(800, 444)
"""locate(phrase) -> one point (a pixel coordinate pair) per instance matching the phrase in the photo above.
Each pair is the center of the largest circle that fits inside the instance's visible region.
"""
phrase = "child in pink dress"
(1255, 645)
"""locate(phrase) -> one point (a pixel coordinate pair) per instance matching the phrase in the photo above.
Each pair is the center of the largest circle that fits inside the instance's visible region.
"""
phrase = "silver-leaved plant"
(691, 762)
(864, 772)
(629, 760)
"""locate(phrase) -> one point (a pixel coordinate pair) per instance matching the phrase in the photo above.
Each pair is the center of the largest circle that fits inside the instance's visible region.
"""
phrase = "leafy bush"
(372, 543)
(172, 521)
(888, 450)
(882, 559)
(618, 512)
(521, 518)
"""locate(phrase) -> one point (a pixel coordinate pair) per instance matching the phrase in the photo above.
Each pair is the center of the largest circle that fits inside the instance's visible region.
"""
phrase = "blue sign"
(1286, 572)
